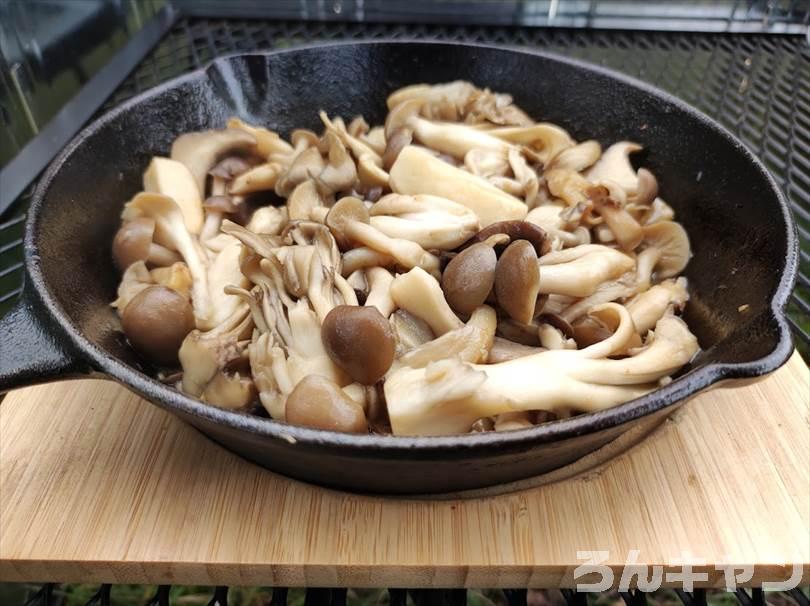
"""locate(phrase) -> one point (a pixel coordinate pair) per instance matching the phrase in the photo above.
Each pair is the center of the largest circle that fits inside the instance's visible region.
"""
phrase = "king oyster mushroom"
(416, 171)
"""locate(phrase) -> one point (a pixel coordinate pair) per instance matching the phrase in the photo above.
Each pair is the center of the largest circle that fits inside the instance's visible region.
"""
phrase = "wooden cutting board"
(97, 485)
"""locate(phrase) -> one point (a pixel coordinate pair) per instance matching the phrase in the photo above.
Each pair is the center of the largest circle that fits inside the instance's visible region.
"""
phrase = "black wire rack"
(48, 595)
(757, 85)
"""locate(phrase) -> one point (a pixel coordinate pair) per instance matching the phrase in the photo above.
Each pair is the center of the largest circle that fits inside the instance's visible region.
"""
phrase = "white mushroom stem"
(417, 171)
(579, 271)
(446, 397)
(419, 293)
(169, 220)
(649, 307)
(430, 221)
(453, 138)
(379, 290)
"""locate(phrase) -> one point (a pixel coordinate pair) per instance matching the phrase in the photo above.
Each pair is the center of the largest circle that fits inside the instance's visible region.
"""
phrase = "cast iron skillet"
(744, 242)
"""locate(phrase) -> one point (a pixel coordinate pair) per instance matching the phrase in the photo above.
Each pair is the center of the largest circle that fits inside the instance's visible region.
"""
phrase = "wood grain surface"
(97, 485)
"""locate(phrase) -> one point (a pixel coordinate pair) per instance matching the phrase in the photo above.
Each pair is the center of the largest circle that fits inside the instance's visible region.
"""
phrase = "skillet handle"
(33, 349)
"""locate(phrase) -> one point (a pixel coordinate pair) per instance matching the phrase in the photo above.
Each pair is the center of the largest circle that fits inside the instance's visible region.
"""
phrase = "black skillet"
(743, 270)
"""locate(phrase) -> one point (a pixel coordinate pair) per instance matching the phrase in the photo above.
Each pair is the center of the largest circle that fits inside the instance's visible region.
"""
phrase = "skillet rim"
(677, 392)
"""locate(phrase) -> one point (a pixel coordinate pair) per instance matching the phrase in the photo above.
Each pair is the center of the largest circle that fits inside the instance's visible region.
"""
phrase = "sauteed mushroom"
(458, 267)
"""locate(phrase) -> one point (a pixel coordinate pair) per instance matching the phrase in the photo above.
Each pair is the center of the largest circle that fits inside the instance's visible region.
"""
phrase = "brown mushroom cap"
(360, 341)
(647, 187)
(317, 402)
(132, 242)
(344, 212)
(517, 281)
(469, 277)
(515, 230)
(672, 240)
(156, 321)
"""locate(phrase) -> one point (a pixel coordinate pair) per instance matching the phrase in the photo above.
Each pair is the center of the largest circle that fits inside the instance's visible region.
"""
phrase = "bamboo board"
(97, 485)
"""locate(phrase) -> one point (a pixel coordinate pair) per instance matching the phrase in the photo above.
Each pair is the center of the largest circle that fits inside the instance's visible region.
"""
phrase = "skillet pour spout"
(744, 243)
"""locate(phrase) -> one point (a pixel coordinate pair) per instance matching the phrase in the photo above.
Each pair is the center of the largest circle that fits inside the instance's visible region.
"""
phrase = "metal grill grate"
(756, 85)
(48, 594)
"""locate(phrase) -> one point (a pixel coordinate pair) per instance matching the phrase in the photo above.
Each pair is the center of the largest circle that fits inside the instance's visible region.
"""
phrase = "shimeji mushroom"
(430, 221)
(360, 341)
(350, 224)
(447, 396)
(201, 151)
(156, 321)
(614, 165)
(134, 241)
(417, 171)
(517, 281)
(469, 277)
(418, 293)
(172, 178)
(650, 306)
(579, 271)
(169, 220)
(665, 252)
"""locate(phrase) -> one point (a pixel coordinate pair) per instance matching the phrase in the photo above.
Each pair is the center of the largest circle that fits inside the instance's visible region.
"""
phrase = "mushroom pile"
(460, 268)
